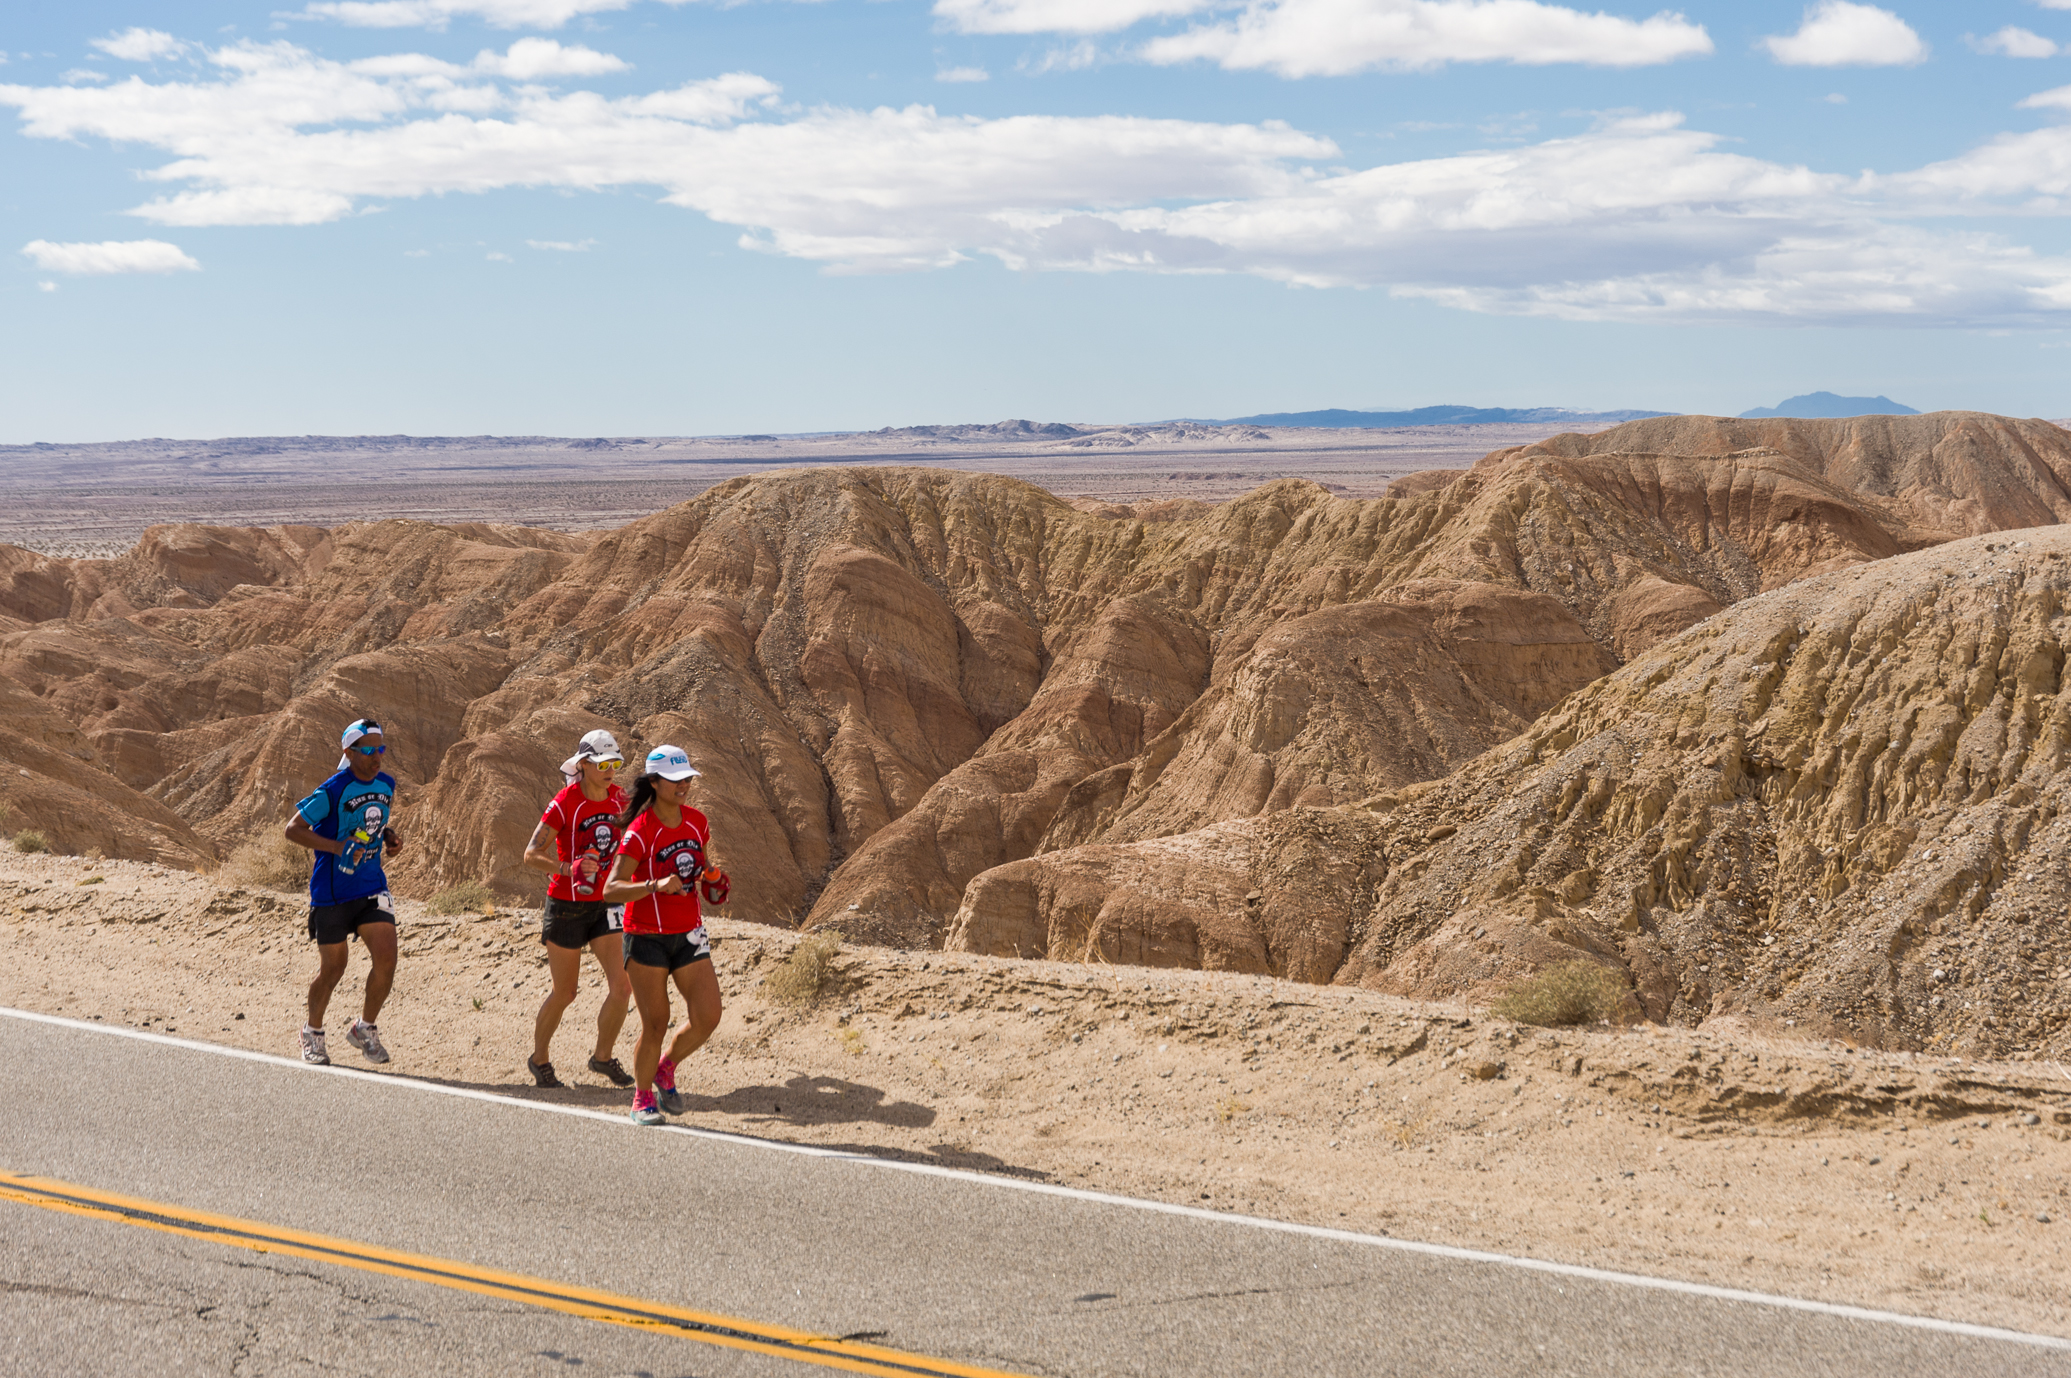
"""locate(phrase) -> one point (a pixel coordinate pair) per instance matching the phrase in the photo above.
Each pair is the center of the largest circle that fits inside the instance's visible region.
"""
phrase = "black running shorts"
(577, 923)
(671, 950)
(334, 923)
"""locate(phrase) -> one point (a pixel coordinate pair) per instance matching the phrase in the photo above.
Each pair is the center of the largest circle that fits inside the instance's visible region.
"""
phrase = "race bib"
(615, 916)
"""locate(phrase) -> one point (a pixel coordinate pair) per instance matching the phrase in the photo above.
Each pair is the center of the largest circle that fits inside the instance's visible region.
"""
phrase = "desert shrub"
(1579, 992)
(29, 840)
(808, 972)
(468, 897)
(268, 862)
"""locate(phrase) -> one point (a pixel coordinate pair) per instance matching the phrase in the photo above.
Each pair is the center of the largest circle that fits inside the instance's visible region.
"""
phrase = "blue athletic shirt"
(366, 805)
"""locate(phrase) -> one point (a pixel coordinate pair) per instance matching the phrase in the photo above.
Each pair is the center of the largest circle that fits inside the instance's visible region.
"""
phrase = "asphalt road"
(937, 1264)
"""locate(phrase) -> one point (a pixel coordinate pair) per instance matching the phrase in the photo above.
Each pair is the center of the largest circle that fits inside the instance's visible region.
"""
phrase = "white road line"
(1572, 1270)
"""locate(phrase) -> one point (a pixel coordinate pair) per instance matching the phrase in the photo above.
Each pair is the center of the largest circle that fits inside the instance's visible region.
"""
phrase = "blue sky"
(634, 216)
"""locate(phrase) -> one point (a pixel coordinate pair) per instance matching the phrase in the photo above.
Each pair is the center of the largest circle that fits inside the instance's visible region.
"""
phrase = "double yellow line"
(826, 1351)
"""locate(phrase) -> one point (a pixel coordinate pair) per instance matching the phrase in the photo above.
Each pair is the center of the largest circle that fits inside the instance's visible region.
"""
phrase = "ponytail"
(643, 800)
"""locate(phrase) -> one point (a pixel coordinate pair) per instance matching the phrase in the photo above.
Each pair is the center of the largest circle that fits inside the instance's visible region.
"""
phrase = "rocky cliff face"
(935, 707)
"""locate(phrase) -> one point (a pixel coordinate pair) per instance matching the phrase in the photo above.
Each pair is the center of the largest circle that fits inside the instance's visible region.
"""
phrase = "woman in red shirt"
(663, 862)
(576, 838)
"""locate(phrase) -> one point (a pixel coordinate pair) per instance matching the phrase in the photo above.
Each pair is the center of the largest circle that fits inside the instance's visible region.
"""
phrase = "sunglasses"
(370, 750)
(613, 764)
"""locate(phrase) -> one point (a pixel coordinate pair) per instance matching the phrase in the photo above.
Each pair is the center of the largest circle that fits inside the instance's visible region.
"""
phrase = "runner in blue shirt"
(345, 821)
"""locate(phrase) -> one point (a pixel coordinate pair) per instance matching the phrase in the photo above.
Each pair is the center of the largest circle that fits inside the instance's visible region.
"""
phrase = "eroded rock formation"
(942, 707)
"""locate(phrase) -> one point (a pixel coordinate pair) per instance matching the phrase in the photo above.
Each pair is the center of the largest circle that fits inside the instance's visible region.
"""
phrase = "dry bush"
(29, 840)
(268, 862)
(468, 897)
(1578, 992)
(808, 972)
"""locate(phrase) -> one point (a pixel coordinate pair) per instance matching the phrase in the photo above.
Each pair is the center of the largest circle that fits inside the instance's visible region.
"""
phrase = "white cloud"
(1839, 33)
(1067, 57)
(531, 58)
(1638, 218)
(578, 246)
(2014, 42)
(110, 256)
(83, 74)
(2059, 99)
(1299, 38)
(1058, 16)
(954, 74)
(436, 14)
(46, 287)
(494, 256)
(416, 253)
(1834, 98)
(140, 45)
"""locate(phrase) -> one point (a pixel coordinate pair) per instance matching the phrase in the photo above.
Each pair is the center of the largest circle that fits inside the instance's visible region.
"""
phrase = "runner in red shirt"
(663, 863)
(576, 838)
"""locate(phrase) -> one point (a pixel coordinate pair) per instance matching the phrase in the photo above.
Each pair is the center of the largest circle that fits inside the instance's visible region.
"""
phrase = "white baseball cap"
(670, 763)
(595, 746)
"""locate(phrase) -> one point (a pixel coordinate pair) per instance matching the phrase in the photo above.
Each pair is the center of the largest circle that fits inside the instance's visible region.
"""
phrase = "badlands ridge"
(1767, 715)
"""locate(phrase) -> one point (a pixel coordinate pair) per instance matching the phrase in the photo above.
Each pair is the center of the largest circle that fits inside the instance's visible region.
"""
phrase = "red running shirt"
(584, 825)
(658, 853)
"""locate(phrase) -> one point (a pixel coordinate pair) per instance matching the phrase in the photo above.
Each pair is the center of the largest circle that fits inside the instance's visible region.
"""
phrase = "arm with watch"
(623, 889)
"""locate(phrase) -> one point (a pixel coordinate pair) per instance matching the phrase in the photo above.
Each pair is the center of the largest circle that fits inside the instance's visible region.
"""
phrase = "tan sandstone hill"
(928, 701)
(1841, 805)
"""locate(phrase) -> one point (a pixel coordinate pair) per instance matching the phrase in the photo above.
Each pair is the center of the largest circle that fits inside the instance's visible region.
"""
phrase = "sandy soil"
(1930, 1186)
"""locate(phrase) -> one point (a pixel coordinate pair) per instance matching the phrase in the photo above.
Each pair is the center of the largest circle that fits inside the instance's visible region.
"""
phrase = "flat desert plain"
(94, 500)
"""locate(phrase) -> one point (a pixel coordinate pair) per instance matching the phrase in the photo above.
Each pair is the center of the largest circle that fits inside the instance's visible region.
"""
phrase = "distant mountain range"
(1439, 416)
(1822, 404)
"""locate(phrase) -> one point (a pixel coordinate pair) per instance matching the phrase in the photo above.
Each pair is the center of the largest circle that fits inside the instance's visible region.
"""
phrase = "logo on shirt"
(685, 857)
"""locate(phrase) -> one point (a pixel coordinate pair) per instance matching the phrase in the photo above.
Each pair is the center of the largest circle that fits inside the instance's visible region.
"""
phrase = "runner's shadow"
(807, 1100)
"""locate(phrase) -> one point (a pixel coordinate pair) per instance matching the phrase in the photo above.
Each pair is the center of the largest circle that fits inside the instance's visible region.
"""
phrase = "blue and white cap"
(356, 729)
(670, 763)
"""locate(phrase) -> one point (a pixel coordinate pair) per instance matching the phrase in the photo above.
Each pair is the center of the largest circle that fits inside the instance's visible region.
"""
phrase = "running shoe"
(542, 1073)
(313, 1051)
(644, 1111)
(367, 1039)
(612, 1069)
(665, 1092)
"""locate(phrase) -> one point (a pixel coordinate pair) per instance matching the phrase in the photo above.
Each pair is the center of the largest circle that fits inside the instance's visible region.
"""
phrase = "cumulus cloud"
(140, 45)
(1057, 16)
(1638, 218)
(110, 256)
(957, 74)
(528, 59)
(1298, 38)
(1840, 33)
(1331, 37)
(2013, 41)
(2059, 99)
